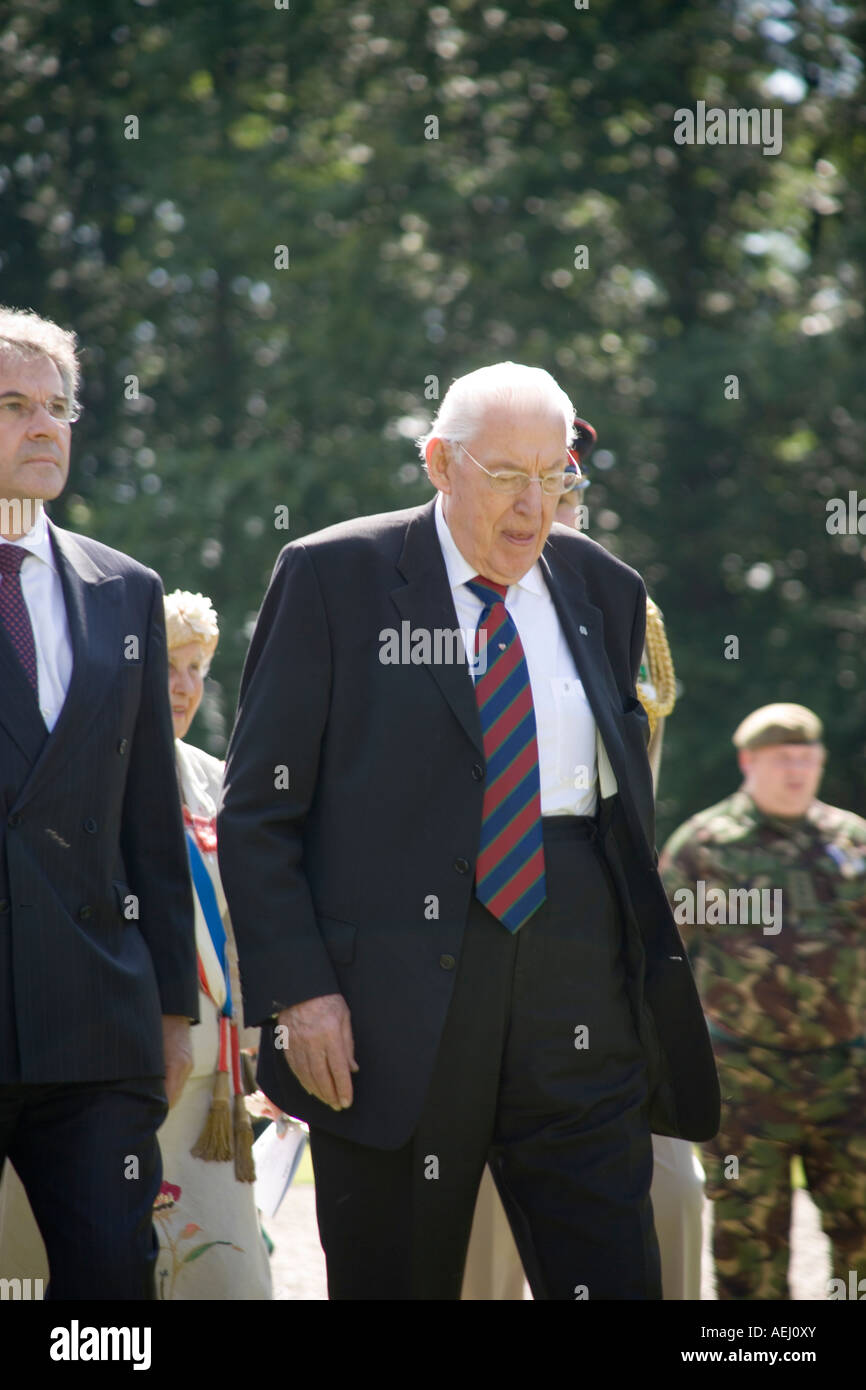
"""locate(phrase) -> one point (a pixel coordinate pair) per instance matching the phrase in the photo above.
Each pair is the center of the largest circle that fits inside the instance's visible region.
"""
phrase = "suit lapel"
(425, 602)
(95, 616)
(583, 626)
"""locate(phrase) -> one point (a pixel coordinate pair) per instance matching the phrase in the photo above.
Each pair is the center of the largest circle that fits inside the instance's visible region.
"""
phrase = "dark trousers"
(539, 1072)
(88, 1157)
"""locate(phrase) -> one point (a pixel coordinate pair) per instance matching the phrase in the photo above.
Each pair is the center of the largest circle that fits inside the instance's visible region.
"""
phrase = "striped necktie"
(509, 878)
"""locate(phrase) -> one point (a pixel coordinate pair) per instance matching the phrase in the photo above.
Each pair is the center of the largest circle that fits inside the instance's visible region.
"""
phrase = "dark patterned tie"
(13, 610)
(509, 878)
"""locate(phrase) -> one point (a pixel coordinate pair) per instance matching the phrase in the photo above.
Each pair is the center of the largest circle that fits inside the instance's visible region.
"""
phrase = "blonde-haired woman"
(211, 1246)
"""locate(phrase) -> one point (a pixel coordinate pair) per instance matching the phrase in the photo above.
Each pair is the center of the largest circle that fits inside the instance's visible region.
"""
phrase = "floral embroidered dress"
(211, 1246)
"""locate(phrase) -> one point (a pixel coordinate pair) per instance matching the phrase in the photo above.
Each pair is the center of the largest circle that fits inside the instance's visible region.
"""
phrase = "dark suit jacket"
(91, 815)
(330, 880)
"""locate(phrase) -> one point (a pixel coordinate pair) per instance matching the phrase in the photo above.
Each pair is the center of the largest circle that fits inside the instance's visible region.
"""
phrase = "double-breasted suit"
(96, 914)
(96, 923)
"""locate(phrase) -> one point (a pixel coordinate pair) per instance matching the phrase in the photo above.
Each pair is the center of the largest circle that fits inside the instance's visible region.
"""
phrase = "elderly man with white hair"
(439, 859)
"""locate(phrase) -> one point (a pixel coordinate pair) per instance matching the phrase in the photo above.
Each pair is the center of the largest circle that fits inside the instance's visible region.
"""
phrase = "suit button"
(14, 819)
(90, 825)
(477, 772)
(447, 962)
(122, 746)
(462, 866)
(4, 904)
(85, 912)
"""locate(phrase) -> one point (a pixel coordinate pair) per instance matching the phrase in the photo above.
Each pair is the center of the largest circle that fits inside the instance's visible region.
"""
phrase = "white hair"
(191, 618)
(499, 387)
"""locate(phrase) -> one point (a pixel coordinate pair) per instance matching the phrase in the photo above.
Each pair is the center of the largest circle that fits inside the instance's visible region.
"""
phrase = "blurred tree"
(319, 216)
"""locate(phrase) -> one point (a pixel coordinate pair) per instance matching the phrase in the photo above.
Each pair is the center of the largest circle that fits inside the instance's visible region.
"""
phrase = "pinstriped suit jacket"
(96, 915)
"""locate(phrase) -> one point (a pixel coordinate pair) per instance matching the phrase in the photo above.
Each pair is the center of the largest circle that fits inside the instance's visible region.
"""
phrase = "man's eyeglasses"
(513, 481)
(18, 407)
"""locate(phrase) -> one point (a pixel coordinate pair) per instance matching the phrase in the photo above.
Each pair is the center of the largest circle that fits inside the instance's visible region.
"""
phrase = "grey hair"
(498, 387)
(25, 334)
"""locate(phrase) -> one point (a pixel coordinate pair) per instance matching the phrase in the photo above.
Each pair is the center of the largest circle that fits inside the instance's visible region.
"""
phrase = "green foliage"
(412, 258)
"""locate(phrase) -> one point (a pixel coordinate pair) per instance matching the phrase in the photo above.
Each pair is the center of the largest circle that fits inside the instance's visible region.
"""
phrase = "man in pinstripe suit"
(97, 955)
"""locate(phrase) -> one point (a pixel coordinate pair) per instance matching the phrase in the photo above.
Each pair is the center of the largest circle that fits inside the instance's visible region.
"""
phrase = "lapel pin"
(583, 630)
(502, 646)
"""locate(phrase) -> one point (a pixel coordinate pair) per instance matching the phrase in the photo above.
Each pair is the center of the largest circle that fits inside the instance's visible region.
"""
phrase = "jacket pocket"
(339, 939)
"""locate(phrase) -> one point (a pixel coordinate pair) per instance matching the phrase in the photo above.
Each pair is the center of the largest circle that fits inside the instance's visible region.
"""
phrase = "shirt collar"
(37, 540)
(460, 571)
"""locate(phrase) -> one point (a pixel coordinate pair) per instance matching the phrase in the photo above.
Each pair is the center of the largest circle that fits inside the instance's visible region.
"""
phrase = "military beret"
(778, 724)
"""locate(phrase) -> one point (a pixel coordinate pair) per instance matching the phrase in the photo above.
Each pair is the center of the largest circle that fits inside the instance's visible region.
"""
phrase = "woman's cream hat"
(191, 618)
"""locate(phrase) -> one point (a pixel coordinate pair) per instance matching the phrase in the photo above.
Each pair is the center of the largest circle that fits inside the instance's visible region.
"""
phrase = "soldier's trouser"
(775, 1105)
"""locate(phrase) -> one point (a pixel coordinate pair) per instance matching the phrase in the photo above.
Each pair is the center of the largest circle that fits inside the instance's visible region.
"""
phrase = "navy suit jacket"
(352, 803)
(96, 915)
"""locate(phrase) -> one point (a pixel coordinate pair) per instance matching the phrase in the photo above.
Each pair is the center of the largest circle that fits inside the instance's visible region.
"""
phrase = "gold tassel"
(245, 1168)
(215, 1141)
(661, 669)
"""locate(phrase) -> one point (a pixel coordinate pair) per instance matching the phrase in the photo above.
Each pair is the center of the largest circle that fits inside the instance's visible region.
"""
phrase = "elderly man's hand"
(320, 1049)
(177, 1050)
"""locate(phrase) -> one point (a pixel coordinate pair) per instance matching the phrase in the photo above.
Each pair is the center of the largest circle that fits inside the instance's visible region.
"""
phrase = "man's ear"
(437, 464)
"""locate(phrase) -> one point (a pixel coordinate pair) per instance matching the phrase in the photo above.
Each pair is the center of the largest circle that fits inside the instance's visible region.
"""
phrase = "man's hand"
(320, 1049)
(177, 1050)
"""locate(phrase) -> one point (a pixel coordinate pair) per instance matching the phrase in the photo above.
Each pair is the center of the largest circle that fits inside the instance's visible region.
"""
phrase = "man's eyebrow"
(59, 396)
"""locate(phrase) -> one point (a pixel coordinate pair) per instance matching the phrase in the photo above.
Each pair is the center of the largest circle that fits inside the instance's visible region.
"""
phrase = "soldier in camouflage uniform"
(782, 976)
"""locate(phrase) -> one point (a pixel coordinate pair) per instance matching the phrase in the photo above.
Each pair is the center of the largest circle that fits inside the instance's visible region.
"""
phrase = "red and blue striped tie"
(509, 878)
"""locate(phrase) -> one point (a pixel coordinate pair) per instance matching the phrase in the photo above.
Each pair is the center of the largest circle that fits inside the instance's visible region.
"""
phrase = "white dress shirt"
(564, 722)
(43, 595)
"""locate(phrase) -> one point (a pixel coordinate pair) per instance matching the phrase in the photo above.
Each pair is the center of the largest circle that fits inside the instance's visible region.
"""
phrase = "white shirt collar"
(37, 540)
(460, 571)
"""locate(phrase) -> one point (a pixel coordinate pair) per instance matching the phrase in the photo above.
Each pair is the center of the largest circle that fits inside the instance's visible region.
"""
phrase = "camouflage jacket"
(783, 966)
